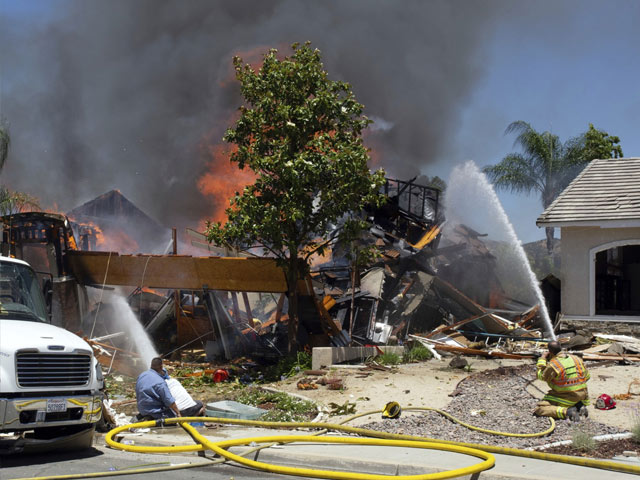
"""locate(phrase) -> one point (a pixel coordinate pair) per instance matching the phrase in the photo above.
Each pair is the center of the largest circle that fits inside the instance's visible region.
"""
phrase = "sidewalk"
(375, 459)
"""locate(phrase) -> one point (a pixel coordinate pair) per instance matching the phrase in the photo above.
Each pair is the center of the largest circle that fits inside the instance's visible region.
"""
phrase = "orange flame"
(92, 237)
(151, 290)
(223, 180)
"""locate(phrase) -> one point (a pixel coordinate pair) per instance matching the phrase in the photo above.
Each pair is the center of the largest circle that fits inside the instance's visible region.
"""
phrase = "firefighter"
(567, 378)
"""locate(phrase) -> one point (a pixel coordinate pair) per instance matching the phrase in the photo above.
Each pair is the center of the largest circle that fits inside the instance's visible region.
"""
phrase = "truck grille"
(51, 370)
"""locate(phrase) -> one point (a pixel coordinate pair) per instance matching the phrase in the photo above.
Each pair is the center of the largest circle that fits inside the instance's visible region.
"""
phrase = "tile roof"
(605, 193)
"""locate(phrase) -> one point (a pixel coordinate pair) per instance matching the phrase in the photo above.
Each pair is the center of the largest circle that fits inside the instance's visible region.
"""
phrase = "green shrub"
(388, 358)
(418, 353)
(582, 439)
(635, 424)
(280, 406)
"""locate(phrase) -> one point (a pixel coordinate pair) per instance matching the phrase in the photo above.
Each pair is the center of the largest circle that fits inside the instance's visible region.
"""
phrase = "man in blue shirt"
(153, 395)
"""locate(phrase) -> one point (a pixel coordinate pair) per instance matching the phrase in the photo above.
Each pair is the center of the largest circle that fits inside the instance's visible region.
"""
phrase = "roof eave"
(626, 223)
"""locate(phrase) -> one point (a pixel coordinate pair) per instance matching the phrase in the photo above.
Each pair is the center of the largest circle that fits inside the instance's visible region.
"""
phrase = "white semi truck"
(50, 382)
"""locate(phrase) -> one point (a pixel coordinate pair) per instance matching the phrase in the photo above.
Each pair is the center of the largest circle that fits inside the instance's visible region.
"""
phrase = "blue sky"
(577, 70)
(120, 94)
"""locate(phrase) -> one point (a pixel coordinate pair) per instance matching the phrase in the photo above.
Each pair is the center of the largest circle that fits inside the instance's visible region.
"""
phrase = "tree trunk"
(292, 281)
(549, 232)
(353, 301)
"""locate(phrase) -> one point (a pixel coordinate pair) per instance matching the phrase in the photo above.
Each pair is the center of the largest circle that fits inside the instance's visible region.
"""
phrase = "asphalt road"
(101, 459)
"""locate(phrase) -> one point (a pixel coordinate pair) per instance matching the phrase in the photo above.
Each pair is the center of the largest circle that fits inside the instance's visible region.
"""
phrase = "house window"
(618, 281)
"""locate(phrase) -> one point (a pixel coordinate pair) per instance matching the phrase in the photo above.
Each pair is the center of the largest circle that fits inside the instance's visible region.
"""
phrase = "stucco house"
(599, 219)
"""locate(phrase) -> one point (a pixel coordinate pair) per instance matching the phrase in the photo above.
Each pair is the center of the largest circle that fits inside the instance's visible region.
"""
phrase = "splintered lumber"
(492, 323)
(117, 359)
(597, 348)
(610, 356)
(453, 326)
(482, 353)
(474, 351)
(427, 238)
(455, 294)
(528, 316)
(328, 323)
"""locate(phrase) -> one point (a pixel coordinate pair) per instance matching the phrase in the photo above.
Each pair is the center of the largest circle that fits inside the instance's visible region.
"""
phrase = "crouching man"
(187, 405)
(567, 378)
(152, 394)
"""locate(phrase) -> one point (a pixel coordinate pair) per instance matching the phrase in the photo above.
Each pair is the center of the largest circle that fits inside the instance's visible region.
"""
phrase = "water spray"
(468, 178)
(128, 321)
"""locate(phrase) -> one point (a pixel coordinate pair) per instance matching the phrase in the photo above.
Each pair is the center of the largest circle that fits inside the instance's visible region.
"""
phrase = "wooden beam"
(240, 274)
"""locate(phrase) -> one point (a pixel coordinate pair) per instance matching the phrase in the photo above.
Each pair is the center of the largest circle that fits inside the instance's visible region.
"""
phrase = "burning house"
(111, 222)
(233, 306)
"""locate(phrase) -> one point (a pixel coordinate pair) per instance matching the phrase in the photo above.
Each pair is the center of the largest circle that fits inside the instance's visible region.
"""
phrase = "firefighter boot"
(582, 409)
(573, 414)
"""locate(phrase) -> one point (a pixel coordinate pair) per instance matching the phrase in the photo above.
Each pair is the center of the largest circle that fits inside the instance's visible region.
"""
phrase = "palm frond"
(4, 146)
(15, 202)
(515, 173)
(544, 150)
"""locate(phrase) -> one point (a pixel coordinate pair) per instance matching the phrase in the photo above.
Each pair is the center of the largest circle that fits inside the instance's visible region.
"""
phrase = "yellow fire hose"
(477, 450)
(219, 448)
(585, 462)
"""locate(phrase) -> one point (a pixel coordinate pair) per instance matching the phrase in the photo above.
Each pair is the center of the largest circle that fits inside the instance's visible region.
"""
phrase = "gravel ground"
(494, 399)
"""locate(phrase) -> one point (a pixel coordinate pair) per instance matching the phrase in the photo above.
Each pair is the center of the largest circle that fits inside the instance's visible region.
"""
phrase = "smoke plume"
(133, 95)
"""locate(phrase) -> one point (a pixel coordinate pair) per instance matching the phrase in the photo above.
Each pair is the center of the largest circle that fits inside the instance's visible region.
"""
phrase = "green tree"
(546, 165)
(599, 144)
(300, 133)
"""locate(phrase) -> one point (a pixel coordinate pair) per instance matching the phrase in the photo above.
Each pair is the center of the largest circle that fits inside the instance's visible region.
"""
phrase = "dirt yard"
(430, 383)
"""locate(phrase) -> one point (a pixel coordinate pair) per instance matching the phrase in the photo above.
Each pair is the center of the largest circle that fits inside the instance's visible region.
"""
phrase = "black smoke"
(122, 94)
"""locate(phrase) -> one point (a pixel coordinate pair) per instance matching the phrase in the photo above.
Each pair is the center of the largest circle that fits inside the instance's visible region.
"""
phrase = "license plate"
(56, 405)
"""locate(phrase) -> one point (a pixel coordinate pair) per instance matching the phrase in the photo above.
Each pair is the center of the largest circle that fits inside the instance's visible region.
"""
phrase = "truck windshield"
(20, 295)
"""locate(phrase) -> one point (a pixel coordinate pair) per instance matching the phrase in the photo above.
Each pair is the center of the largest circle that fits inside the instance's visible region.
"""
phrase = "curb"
(598, 438)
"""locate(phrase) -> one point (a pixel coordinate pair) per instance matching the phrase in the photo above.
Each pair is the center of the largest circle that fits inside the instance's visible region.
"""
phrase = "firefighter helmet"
(391, 410)
(605, 402)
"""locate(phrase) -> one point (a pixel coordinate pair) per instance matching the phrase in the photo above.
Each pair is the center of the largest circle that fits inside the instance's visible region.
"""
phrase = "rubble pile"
(440, 290)
(430, 284)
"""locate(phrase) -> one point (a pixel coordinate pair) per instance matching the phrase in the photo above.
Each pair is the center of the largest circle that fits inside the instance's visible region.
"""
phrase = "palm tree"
(4, 146)
(16, 202)
(546, 165)
(10, 201)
